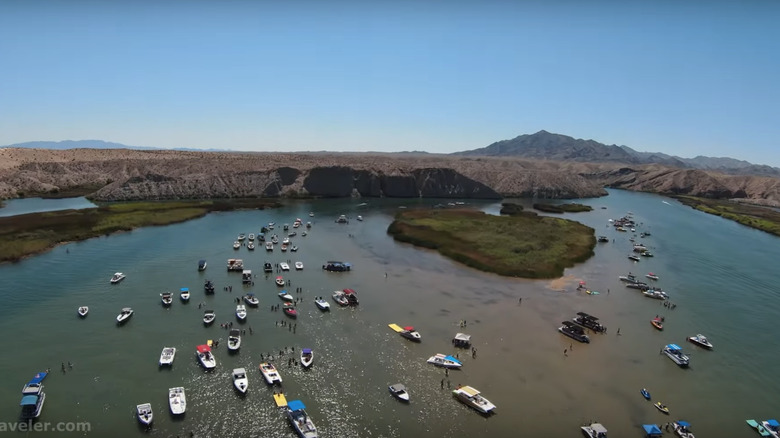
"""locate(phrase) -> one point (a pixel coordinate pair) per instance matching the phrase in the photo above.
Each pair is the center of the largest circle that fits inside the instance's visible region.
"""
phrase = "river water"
(721, 275)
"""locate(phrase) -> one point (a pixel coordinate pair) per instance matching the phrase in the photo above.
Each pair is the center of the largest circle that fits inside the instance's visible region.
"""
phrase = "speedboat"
(284, 266)
(411, 334)
(117, 278)
(307, 357)
(657, 294)
(682, 429)
(657, 323)
(144, 413)
(294, 248)
(208, 287)
(250, 246)
(184, 294)
(34, 386)
(236, 244)
(300, 420)
(574, 331)
(166, 298)
(289, 310)
(676, 354)
(645, 393)
(246, 276)
(311, 214)
(342, 219)
(603, 239)
(234, 339)
(334, 266)
(241, 237)
(298, 266)
(251, 299)
(647, 254)
(267, 267)
(269, 246)
(322, 304)
(651, 276)
(241, 312)
(208, 317)
(269, 373)
(633, 257)
(399, 391)
(661, 407)
(286, 227)
(772, 426)
(286, 241)
(202, 265)
(83, 310)
(360, 218)
(284, 247)
(167, 356)
(177, 401)
(472, 398)
(251, 237)
(274, 239)
(292, 234)
(340, 298)
(285, 296)
(240, 380)
(594, 430)
(205, 357)
(124, 315)
(442, 360)
(701, 341)
(351, 296)
(629, 278)
(589, 321)
(280, 281)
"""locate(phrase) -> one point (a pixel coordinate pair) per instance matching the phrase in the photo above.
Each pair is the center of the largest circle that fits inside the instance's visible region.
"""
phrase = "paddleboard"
(210, 343)
(761, 430)
(396, 328)
(280, 400)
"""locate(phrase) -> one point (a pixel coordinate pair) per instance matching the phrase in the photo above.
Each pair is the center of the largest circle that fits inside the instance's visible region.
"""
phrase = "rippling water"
(720, 274)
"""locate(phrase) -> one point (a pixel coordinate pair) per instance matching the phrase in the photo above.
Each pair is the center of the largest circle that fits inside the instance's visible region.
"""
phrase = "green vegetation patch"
(563, 208)
(760, 218)
(528, 246)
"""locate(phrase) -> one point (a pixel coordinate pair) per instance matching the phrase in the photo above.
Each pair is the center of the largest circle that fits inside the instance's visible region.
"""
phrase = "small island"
(562, 208)
(523, 245)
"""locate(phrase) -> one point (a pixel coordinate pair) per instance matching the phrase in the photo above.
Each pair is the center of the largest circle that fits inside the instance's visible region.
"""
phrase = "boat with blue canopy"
(652, 430)
(682, 429)
(32, 404)
(445, 361)
(300, 420)
(675, 353)
(772, 426)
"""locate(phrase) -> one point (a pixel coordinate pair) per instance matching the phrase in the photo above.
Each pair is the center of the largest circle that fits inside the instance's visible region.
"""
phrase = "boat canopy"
(307, 351)
(250, 294)
(38, 377)
(203, 348)
(652, 430)
(29, 400)
(296, 405)
(452, 358)
(184, 289)
(462, 337)
(684, 423)
(469, 390)
(349, 291)
(599, 429)
(208, 311)
(673, 347)
(586, 316)
(409, 328)
(773, 423)
(398, 387)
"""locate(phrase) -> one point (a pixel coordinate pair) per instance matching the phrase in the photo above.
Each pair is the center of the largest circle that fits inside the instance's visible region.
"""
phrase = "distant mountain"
(93, 144)
(556, 147)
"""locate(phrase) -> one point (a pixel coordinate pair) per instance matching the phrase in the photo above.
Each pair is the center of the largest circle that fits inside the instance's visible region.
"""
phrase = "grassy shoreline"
(34, 233)
(760, 218)
(523, 245)
(563, 208)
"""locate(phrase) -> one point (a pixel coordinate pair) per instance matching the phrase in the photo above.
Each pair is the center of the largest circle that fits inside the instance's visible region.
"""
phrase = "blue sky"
(681, 77)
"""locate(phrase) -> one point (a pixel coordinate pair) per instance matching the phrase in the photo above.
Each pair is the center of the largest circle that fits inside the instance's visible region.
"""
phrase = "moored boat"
(251, 300)
(474, 399)
(289, 310)
(589, 321)
(241, 312)
(651, 276)
(269, 246)
(184, 294)
(399, 391)
(234, 339)
(285, 296)
(167, 355)
(32, 405)
(205, 357)
(772, 426)
(83, 310)
(594, 430)
(124, 315)
(340, 298)
(166, 298)
(280, 281)
(267, 267)
(633, 257)
(208, 287)
(645, 393)
(236, 244)
(202, 265)
(701, 341)
(334, 266)
(657, 323)
(307, 357)
(675, 353)
(603, 239)
(758, 427)
(574, 331)
(298, 266)
(270, 374)
(117, 278)
(443, 360)
(250, 246)
(661, 407)
(682, 429)
(284, 266)
(655, 293)
(144, 414)
(300, 420)
(208, 317)
(177, 401)
(351, 296)
(240, 380)
(322, 304)
(411, 334)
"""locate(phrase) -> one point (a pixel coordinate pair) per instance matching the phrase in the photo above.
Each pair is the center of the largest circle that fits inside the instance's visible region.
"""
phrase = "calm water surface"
(13, 207)
(721, 276)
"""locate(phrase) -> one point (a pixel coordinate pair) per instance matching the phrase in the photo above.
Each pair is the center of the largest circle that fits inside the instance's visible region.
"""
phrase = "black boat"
(334, 266)
(589, 321)
(208, 287)
(267, 267)
(574, 331)
(638, 285)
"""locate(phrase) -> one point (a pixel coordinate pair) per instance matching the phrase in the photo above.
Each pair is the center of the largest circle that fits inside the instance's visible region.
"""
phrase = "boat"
(144, 413)
(269, 246)
(208, 317)
(236, 244)
(267, 267)
(633, 257)
(646, 254)
(701, 341)
(251, 237)
(472, 398)
(360, 218)
(236, 265)
(241, 312)
(657, 323)
(399, 391)
(271, 225)
(280, 281)
(294, 248)
(340, 298)
(167, 356)
(772, 426)
(308, 225)
(442, 360)
(284, 266)
(651, 276)
(32, 405)
(645, 393)
(682, 429)
(241, 237)
(461, 340)
(289, 310)
(203, 352)
(661, 407)
(251, 300)
(246, 276)
(311, 214)
(629, 278)
(286, 227)
(166, 298)
(234, 339)
(124, 315)
(285, 296)
(292, 234)
(177, 400)
(307, 357)
(759, 428)
(574, 331)
(342, 219)
(286, 241)
(298, 266)
(208, 287)
(261, 236)
(34, 386)
(334, 266)
(184, 294)
(270, 374)
(300, 420)
(638, 285)
(274, 239)
(638, 247)
(407, 332)
(240, 381)
(250, 246)
(589, 321)
(594, 430)
(676, 354)
(284, 247)
(322, 304)
(603, 239)
(117, 278)
(351, 296)
(655, 293)
(83, 310)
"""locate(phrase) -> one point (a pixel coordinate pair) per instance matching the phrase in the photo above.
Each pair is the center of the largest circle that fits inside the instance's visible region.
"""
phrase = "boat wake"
(666, 203)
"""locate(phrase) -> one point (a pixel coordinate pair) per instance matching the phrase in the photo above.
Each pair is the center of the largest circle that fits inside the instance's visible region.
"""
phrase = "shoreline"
(753, 216)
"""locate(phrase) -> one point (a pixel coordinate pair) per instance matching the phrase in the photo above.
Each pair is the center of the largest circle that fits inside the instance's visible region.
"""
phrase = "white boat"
(236, 244)
(360, 218)
(246, 276)
(307, 357)
(298, 266)
(241, 237)
(144, 413)
(177, 401)
(270, 374)
(340, 298)
(445, 361)
(410, 333)
(701, 341)
(250, 246)
(240, 381)
(274, 239)
(472, 398)
(208, 317)
(300, 420)
(674, 352)
(286, 296)
(32, 405)
(205, 357)
(251, 300)
(651, 276)
(241, 312)
(117, 278)
(234, 339)
(184, 294)
(399, 391)
(294, 248)
(83, 310)
(167, 356)
(311, 214)
(284, 266)
(342, 219)
(594, 430)
(269, 246)
(251, 237)
(772, 426)
(657, 294)
(322, 304)
(284, 247)
(124, 315)
(682, 429)
(166, 298)
(280, 281)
